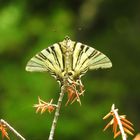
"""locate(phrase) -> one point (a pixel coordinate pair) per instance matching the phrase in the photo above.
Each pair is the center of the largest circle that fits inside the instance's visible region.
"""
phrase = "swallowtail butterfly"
(68, 59)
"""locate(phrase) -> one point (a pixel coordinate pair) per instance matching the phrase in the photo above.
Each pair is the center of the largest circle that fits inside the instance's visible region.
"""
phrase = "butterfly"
(68, 61)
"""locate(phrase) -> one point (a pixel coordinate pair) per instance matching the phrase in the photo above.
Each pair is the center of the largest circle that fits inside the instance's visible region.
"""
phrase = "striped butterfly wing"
(85, 57)
(49, 59)
(81, 59)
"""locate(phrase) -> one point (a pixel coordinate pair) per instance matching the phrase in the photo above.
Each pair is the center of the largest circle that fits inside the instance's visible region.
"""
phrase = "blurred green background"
(28, 26)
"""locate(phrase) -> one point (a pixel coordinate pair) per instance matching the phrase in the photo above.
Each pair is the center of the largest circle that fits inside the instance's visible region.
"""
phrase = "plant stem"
(12, 129)
(56, 114)
(115, 111)
(67, 55)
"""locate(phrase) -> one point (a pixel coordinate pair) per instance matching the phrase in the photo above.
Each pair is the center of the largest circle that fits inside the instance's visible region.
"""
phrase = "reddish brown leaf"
(119, 122)
(117, 134)
(125, 120)
(4, 132)
(127, 126)
(42, 106)
(128, 131)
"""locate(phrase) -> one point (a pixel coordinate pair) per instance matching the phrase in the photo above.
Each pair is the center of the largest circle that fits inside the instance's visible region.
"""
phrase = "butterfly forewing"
(86, 57)
(99, 60)
(49, 59)
(81, 58)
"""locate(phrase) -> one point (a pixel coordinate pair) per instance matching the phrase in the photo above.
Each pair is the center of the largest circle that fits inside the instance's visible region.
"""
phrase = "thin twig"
(56, 114)
(67, 55)
(12, 129)
(115, 111)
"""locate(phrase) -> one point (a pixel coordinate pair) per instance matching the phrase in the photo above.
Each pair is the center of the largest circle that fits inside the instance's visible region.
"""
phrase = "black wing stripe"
(60, 55)
(47, 50)
(72, 55)
(76, 50)
(79, 55)
(63, 59)
(91, 55)
(99, 60)
(42, 55)
(55, 56)
(100, 63)
(86, 48)
(32, 61)
(39, 58)
(97, 54)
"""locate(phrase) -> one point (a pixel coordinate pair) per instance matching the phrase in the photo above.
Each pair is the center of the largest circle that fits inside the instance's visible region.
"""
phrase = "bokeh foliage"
(29, 26)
